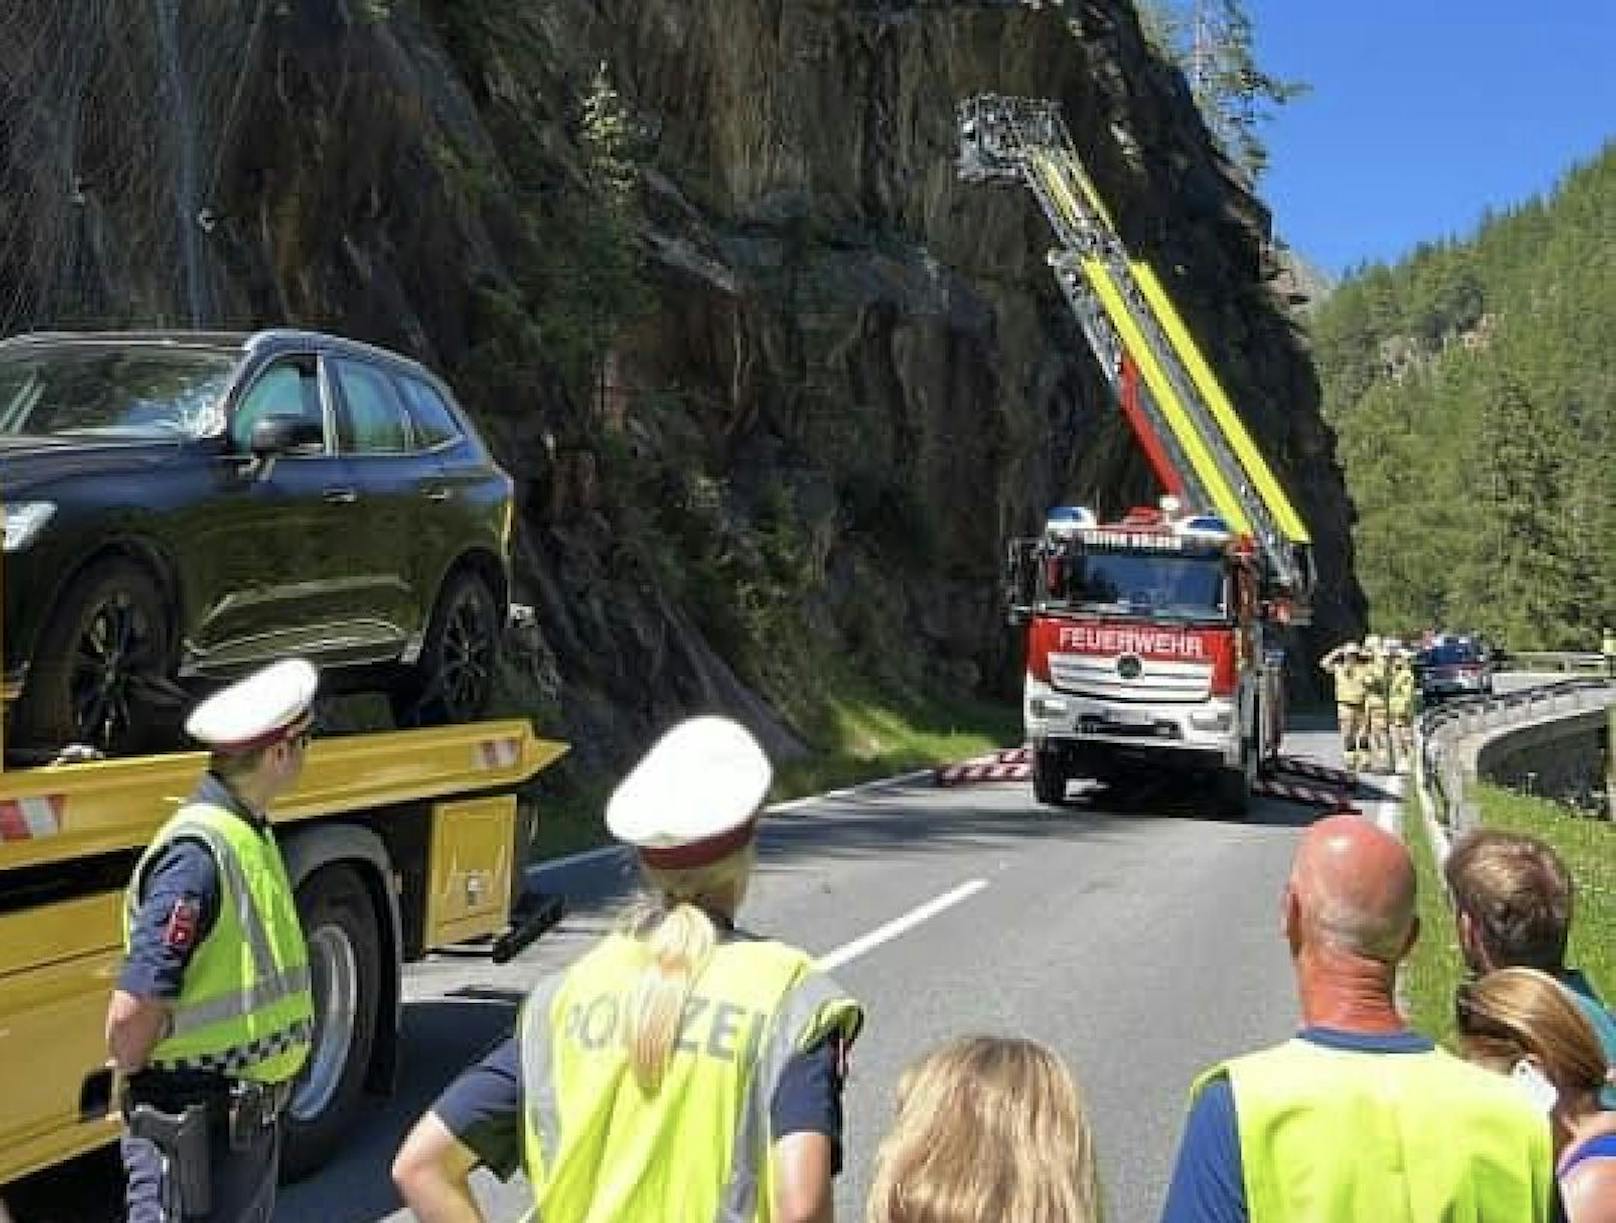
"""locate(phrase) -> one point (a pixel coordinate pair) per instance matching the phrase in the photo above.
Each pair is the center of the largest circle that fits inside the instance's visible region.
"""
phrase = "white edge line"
(898, 925)
(590, 855)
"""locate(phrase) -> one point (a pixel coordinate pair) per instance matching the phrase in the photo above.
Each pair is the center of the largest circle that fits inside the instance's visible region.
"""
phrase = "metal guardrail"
(1551, 660)
(1441, 769)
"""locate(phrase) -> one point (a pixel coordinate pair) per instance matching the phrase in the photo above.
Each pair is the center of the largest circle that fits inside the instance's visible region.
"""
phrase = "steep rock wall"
(834, 376)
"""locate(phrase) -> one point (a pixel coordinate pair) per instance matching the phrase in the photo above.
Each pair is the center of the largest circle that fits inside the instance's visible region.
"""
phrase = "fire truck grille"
(1100, 679)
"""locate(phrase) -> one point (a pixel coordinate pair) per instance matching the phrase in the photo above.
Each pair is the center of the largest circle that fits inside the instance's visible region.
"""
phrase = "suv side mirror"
(274, 435)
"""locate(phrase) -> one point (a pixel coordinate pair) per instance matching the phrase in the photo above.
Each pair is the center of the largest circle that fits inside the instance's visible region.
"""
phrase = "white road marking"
(898, 925)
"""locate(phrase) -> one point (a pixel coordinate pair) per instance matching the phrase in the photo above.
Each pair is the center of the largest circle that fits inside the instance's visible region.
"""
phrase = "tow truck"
(1155, 642)
(397, 842)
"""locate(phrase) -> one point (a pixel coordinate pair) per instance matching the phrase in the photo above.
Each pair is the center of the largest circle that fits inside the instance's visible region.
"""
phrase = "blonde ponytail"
(679, 936)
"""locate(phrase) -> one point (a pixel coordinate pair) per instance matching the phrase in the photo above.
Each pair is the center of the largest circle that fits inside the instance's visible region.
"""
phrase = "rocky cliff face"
(773, 382)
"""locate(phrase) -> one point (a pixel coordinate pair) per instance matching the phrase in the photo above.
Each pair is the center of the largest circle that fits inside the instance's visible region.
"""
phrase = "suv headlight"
(25, 520)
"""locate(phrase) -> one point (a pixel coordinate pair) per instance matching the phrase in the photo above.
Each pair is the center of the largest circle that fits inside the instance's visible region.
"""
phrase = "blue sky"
(1425, 112)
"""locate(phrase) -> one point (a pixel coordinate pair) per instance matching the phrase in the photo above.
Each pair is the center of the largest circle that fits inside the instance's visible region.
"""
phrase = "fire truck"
(1156, 642)
(397, 842)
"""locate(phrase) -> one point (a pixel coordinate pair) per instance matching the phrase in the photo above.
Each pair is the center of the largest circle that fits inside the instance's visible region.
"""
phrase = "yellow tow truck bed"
(424, 819)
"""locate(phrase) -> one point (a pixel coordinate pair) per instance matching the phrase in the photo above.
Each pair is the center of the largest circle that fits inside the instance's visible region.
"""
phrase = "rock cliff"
(773, 382)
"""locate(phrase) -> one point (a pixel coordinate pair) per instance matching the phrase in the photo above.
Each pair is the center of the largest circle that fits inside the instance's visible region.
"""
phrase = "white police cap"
(694, 798)
(256, 711)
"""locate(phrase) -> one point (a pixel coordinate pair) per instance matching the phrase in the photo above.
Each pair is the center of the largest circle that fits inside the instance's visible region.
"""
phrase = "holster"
(183, 1138)
(254, 1107)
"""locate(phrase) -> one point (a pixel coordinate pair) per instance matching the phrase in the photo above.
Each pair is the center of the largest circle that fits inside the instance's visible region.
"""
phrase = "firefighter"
(212, 1015)
(682, 1069)
(1382, 758)
(1404, 690)
(1344, 663)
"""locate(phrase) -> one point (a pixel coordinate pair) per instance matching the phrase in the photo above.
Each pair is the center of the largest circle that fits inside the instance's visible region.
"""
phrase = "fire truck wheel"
(1232, 792)
(345, 969)
(1049, 778)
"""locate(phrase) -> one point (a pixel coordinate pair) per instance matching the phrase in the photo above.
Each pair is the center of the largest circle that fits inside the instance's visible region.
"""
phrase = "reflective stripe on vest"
(597, 1148)
(1339, 1136)
(245, 1006)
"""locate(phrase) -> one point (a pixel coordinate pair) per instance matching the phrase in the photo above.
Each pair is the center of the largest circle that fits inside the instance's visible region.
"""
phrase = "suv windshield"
(111, 392)
(1191, 587)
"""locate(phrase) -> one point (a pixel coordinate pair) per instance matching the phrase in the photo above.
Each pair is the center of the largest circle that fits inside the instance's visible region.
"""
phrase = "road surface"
(1140, 940)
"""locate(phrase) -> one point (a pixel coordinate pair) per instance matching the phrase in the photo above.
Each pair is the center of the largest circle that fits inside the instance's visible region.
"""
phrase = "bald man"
(1357, 1117)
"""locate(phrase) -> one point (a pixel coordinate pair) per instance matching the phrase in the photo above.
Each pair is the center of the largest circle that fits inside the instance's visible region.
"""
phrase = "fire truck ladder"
(1181, 415)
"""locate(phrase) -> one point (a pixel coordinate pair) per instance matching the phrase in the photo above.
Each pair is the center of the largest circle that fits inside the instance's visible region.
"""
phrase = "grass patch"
(861, 737)
(1589, 849)
(1432, 972)
(866, 737)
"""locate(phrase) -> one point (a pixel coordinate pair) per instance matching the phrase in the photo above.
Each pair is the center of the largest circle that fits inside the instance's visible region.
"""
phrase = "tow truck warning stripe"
(25, 819)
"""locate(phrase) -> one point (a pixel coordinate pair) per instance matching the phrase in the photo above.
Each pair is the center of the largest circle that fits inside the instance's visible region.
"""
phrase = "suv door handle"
(436, 493)
(340, 496)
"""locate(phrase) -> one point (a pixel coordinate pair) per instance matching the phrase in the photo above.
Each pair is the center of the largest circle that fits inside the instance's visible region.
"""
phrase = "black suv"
(180, 507)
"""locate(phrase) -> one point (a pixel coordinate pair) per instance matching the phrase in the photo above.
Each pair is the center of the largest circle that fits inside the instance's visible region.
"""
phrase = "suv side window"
(371, 419)
(287, 388)
(434, 423)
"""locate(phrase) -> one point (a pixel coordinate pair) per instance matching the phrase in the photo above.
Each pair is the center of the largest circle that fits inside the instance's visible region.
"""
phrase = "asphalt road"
(1142, 944)
(1138, 939)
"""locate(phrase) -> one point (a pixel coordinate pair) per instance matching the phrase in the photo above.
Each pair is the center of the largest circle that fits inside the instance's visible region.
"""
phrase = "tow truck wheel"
(345, 968)
(1048, 777)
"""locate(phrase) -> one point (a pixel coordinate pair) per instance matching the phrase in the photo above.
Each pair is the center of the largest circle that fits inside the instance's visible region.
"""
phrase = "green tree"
(1214, 42)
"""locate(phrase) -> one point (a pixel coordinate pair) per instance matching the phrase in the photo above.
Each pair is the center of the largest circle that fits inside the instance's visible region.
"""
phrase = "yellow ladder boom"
(1122, 306)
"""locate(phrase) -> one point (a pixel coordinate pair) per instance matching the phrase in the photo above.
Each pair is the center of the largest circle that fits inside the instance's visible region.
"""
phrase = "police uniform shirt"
(483, 1107)
(179, 904)
(1208, 1184)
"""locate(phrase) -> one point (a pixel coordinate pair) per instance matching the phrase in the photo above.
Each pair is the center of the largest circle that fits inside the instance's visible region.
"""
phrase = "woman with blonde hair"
(681, 1070)
(1523, 1023)
(989, 1129)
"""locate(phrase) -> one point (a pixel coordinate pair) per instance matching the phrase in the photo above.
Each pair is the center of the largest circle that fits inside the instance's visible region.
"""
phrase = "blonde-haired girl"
(1523, 1023)
(989, 1129)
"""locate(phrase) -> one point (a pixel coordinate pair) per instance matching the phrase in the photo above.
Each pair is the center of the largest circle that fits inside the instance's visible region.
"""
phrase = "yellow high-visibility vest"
(245, 1008)
(1341, 1136)
(1349, 683)
(599, 1149)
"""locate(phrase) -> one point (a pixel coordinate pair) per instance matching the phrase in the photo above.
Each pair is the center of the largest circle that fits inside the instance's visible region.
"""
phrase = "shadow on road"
(442, 1036)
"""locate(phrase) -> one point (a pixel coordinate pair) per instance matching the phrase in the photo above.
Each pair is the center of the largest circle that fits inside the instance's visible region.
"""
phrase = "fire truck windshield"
(1179, 587)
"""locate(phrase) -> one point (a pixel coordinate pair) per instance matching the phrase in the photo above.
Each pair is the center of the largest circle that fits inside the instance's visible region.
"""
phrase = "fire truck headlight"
(25, 520)
(1218, 721)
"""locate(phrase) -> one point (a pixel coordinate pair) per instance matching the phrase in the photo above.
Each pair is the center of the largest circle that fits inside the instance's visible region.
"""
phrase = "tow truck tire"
(345, 968)
(453, 681)
(1049, 777)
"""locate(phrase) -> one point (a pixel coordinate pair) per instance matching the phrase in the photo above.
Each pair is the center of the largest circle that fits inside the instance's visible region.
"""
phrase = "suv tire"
(101, 665)
(453, 681)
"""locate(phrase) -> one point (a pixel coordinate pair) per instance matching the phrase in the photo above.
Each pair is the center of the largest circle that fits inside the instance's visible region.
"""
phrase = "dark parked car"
(182, 506)
(1454, 666)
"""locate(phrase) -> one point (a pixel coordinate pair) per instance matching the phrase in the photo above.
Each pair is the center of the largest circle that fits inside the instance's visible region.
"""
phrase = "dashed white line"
(898, 925)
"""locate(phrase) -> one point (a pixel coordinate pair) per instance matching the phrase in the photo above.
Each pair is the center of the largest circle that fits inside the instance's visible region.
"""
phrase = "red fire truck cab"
(1150, 648)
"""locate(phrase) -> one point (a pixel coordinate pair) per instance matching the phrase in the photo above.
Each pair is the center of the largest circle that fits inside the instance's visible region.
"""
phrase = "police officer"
(682, 1069)
(212, 1015)
(1607, 647)
(1344, 663)
(1404, 689)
